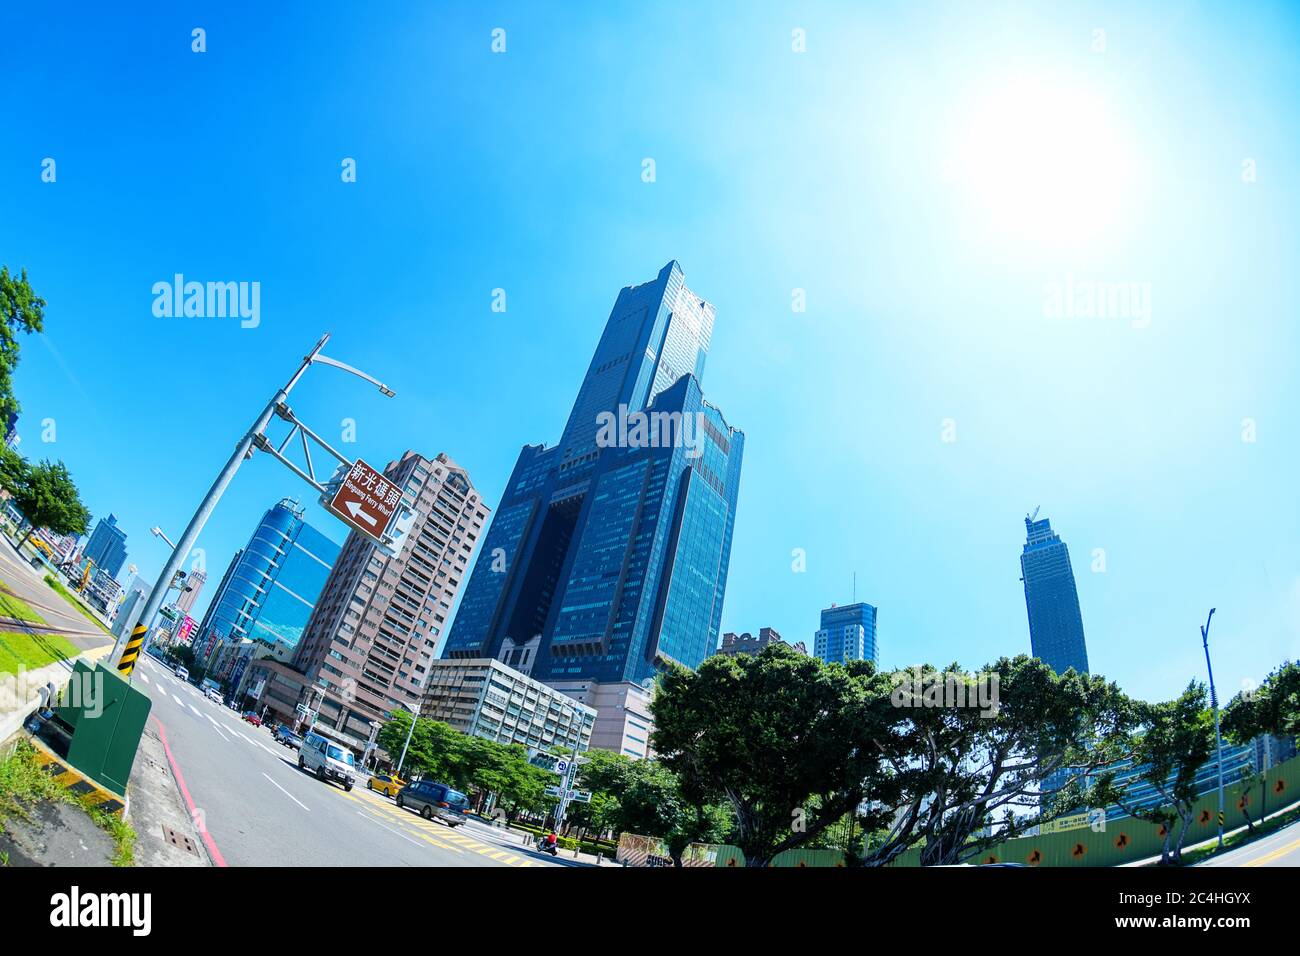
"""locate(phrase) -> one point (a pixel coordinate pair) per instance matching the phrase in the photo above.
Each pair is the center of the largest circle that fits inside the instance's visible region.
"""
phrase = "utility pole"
(1214, 705)
(415, 715)
(127, 649)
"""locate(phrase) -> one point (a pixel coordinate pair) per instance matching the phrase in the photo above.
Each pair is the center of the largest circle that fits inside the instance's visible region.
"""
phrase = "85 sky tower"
(609, 551)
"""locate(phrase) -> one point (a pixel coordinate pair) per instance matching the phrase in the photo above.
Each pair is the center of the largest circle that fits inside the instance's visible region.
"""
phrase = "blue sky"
(929, 174)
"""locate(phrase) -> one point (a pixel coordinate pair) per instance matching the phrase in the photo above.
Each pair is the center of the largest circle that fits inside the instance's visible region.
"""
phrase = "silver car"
(328, 760)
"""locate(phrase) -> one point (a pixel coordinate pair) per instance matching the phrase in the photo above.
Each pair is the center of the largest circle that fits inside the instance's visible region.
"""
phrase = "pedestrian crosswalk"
(436, 834)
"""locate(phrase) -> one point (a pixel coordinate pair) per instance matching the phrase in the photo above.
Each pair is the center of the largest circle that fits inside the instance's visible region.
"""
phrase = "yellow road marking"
(1270, 857)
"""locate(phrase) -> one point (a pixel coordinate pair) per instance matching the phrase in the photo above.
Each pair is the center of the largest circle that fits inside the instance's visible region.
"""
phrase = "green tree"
(21, 310)
(980, 748)
(1271, 708)
(1173, 740)
(49, 499)
(435, 746)
(14, 471)
(605, 774)
(768, 733)
(652, 803)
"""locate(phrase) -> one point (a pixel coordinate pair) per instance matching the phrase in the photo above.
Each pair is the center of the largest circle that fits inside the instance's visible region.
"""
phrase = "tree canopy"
(21, 310)
(48, 498)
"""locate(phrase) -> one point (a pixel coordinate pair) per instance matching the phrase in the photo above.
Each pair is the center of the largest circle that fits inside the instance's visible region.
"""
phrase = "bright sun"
(1042, 163)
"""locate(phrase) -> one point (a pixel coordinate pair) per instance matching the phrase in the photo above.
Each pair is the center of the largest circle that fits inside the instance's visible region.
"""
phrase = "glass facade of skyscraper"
(1055, 621)
(268, 592)
(107, 546)
(847, 633)
(609, 551)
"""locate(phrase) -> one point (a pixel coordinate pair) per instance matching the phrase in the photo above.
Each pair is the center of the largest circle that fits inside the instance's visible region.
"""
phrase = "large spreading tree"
(790, 743)
(988, 755)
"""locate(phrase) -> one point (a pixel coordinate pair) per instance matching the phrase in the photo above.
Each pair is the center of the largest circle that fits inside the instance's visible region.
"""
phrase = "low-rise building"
(488, 699)
(623, 721)
(746, 643)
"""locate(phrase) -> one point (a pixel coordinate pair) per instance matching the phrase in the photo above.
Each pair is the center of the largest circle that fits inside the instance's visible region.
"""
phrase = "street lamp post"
(127, 649)
(1214, 705)
(415, 715)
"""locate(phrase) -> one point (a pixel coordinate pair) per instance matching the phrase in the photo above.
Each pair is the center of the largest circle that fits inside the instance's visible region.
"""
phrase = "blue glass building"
(268, 592)
(847, 633)
(107, 546)
(609, 551)
(1055, 621)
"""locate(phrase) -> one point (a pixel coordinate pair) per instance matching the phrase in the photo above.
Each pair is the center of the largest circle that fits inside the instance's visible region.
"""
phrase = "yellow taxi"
(386, 784)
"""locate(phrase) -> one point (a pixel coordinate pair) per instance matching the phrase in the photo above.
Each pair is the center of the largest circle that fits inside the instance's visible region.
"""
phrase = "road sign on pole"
(366, 501)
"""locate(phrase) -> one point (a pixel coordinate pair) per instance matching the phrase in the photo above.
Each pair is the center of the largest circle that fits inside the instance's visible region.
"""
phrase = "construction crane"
(85, 576)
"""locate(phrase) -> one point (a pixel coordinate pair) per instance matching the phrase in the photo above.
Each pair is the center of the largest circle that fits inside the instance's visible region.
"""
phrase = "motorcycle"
(546, 847)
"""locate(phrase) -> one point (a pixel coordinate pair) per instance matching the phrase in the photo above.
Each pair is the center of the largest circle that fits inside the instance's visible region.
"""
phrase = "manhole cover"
(178, 839)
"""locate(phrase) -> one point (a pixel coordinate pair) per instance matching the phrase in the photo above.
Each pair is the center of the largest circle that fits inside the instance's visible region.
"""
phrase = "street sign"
(581, 796)
(365, 500)
(554, 792)
(562, 768)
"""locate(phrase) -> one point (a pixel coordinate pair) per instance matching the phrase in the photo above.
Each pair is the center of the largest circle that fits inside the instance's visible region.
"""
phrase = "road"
(1279, 849)
(259, 809)
(59, 615)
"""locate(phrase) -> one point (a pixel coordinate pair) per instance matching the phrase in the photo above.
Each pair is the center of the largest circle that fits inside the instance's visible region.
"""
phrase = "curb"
(73, 779)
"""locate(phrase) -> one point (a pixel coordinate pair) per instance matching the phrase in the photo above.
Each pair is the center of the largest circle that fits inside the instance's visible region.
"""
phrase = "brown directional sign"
(366, 500)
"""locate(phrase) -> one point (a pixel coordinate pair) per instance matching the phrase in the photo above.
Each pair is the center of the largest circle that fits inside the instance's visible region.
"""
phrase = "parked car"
(182, 673)
(283, 734)
(214, 696)
(431, 800)
(328, 760)
(386, 784)
(252, 718)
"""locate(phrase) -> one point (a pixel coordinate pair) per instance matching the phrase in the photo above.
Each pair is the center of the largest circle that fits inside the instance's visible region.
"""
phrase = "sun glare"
(1042, 163)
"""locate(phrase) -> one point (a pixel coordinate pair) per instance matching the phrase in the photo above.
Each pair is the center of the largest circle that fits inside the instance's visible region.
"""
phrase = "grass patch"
(23, 783)
(15, 607)
(30, 651)
(76, 602)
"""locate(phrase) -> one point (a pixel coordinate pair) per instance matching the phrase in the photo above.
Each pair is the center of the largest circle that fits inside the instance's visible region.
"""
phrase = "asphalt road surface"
(259, 809)
(60, 616)
(1279, 849)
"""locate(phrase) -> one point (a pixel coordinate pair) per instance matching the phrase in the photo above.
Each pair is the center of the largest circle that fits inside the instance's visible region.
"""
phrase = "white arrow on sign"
(354, 508)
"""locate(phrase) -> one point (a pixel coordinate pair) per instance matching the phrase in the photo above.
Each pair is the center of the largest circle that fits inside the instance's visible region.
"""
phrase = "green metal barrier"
(103, 718)
(1124, 840)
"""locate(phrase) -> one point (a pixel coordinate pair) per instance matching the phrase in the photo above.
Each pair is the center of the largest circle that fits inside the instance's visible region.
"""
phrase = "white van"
(182, 673)
(328, 760)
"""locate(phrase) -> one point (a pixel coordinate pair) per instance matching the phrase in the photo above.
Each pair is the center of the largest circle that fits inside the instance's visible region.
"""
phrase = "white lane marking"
(217, 727)
(179, 703)
(363, 814)
(287, 793)
(196, 711)
(144, 677)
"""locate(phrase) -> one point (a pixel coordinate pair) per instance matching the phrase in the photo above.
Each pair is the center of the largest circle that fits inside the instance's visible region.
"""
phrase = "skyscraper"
(1055, 621)
(107, 545)
(377, 623)
(609, 551)
(847, 633)
(194, 581)
(268, 592)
